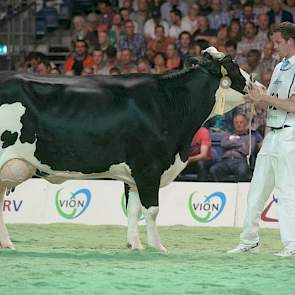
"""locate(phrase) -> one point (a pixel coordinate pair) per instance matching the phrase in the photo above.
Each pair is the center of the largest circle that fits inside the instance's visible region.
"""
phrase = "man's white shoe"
(244, 248)
(285, 253)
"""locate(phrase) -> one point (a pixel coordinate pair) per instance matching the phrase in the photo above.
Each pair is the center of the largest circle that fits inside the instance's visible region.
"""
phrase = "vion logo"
(71, 206)
(204, 209)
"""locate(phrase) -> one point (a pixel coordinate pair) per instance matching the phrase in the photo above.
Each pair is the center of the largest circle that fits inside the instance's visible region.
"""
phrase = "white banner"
(28, 203)
(86, 202)
(103, 202)
(195, 203)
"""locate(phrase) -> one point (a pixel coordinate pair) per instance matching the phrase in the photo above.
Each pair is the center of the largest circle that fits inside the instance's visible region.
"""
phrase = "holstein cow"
(135, 128)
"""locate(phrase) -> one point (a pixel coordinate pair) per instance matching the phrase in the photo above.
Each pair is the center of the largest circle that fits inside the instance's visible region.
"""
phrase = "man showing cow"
(275, 165)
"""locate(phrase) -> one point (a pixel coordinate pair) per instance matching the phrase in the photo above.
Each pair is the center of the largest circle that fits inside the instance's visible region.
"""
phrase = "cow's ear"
(191, 62)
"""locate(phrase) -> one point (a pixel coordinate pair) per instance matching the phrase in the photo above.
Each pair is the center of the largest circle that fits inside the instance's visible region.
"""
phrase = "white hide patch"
(170, 174)
(10, 120)
(10, 115)
(233, 99)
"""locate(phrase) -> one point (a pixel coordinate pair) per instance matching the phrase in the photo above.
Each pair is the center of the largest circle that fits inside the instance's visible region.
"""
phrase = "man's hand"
(256, 93)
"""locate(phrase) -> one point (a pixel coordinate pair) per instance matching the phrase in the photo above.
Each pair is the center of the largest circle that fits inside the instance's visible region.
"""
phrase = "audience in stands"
(155, 36)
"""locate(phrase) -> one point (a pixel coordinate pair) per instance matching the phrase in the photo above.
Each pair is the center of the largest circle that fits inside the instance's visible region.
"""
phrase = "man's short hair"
(177, 12)
(231, 43)
(287, 30)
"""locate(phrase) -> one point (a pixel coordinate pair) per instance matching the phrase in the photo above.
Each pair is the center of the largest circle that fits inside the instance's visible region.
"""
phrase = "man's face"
(129, 26)
(185, 40)
(102, 7)
(159, 32)
(174, 2)
(231, 51)
(174, 18)
(124, 14)
(248, 10)
(249, 30)
(268, 50)
(42, 69)
(276, 5)
(202, 21)
(280, 44)
(125, 57)
(142, 5)
(215, 4)
(240, 124)
(97, 56)
(80, 48)
(263, 22)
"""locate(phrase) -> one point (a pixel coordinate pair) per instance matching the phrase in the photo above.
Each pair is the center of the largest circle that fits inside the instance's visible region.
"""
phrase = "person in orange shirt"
(160, 43)
(200, 155)
(79, 59)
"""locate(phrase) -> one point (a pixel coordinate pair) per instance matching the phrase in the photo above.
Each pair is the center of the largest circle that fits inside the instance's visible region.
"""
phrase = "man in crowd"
(235, 148)
(79, 59)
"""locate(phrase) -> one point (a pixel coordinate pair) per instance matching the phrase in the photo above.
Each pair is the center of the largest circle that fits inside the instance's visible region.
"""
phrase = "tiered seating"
(83, 6)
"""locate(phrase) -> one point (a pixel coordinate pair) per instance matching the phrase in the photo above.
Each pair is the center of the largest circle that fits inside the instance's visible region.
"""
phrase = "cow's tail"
(126, 189)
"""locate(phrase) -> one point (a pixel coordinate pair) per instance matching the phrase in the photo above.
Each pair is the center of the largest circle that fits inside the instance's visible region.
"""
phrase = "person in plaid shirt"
(133, 41)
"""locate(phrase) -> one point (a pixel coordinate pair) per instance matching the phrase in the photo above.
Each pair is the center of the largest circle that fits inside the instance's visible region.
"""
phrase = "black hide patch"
(8, 138)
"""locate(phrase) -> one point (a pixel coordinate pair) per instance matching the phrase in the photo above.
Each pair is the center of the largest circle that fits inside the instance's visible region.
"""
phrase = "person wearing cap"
(150, 25)
(275, 164)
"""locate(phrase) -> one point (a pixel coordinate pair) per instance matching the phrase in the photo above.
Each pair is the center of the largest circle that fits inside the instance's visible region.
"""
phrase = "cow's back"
(79, 124)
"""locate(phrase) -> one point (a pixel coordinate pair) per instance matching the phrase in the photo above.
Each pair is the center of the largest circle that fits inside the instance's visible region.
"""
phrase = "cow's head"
(232, 85)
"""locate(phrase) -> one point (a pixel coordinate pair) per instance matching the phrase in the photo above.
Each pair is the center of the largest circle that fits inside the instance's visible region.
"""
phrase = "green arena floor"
(78, 259)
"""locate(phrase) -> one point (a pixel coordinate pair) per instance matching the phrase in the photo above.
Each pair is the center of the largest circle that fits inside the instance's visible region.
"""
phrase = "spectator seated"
(232, 153)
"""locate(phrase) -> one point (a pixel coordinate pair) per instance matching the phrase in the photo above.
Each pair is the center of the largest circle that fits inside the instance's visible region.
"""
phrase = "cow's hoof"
(159, 247)
(136, 246)
(7, 245)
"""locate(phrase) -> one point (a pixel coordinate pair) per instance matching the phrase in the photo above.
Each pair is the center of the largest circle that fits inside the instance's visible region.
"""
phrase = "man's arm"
(259, 96)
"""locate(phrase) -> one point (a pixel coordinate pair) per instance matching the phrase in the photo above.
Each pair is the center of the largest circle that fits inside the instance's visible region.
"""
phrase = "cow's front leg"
(5, 241)
(148, 183)
(150, 215)
(134, 212)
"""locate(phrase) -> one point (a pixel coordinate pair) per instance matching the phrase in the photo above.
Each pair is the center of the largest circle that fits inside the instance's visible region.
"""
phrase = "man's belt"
(279, 128)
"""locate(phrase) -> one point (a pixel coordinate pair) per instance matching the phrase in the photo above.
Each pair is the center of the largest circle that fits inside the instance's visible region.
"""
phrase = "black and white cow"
(135, 128)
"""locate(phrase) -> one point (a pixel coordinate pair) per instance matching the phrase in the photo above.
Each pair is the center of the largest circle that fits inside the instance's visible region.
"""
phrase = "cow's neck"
(191, 98)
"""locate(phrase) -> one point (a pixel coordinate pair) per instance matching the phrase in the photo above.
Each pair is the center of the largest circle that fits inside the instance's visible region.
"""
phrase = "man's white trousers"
(274, 169)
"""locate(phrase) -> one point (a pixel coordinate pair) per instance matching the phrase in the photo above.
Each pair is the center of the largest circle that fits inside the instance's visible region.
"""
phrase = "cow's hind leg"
(134, 212)
(12, 173)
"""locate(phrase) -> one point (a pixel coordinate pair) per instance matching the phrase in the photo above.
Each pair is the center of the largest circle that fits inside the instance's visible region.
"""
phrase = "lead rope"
(252, 112)
(250, 134)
